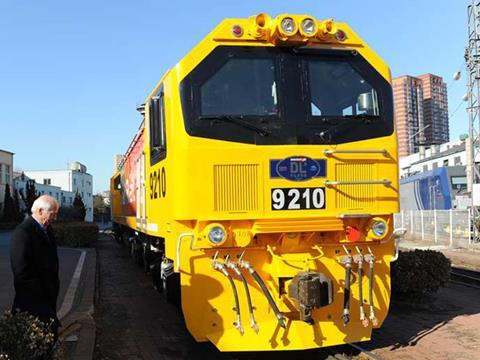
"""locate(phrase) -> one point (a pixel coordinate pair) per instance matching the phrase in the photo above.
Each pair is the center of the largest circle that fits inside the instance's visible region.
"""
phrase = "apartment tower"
(408, 105)
(421, 112)
(435, 109)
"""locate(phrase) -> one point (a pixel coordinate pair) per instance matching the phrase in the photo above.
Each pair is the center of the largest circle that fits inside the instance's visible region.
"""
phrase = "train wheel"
(171, 288)
(146, 258)
(156, 278)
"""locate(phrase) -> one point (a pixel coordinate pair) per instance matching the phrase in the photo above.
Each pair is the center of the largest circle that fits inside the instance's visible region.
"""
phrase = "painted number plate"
(298, 198)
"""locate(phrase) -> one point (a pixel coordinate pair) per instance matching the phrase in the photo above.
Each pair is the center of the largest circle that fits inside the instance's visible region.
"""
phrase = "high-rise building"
(421, 112)
(408, 104)
(435, 109)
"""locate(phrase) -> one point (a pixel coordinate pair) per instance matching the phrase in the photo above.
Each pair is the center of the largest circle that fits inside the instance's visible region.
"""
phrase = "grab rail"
(331, 152)
(372, 182)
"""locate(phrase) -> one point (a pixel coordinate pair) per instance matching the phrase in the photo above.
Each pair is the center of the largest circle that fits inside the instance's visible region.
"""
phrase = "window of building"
(445, 162)
(457, 160)
(425, 167)
(47, 181)
(434, 165)
(7, 174)
(459, 182)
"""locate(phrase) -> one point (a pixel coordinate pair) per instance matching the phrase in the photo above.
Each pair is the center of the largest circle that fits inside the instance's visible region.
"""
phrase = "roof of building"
(8, 152)
(453, 150)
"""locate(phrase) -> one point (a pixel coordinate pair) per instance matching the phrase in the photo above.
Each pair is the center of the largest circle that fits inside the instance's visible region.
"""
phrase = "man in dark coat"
(34, 261)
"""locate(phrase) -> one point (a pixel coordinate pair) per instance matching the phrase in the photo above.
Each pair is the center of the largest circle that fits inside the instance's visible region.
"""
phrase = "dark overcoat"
(34, 260)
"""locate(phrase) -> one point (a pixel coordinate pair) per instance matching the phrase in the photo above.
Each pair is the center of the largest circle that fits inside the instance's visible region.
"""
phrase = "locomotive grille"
(236, 188)
(356, 197)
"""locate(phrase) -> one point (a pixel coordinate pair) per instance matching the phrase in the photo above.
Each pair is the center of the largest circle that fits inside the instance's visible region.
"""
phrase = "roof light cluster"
(294, 28)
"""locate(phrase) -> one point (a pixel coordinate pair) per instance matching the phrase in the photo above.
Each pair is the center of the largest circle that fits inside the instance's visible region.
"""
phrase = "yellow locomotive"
(260, 188)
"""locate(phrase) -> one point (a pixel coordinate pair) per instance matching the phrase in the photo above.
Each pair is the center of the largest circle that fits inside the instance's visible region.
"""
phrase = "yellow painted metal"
(278, 244)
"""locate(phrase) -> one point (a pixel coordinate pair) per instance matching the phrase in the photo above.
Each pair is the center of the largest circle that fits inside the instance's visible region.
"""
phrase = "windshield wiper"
(238, 120)
(327, 135)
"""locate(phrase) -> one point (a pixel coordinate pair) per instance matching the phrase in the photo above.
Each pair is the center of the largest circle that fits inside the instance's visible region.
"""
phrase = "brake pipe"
(234, 267)
(371, 261)
(363, 318)
(246, 265)
(221, 268)
(346, 294)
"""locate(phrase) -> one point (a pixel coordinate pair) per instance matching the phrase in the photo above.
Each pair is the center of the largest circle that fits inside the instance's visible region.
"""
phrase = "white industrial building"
(64, 198)
(448, 154)
(73, 180)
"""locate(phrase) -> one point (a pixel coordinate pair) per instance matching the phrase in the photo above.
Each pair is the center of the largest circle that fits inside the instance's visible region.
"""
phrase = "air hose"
(363, 318)
(221, 267)
(346, 295)
(372, 317)
(244, 264)
(235, 268)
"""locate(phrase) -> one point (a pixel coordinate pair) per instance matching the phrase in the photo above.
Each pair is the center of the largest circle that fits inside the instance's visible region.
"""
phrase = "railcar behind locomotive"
(260, 188)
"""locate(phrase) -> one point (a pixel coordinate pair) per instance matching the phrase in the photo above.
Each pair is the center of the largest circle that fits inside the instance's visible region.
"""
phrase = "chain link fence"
(443, 227)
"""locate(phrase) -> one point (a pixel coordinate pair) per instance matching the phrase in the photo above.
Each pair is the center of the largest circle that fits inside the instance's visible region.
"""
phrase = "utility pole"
(472, 58)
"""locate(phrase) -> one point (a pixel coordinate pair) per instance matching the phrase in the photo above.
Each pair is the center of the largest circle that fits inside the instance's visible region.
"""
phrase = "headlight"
(216, 234)
(288, 26)
(309, 27)
(379, 228)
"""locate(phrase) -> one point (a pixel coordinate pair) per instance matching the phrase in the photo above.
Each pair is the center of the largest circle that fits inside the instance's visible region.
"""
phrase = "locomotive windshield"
(286, 96)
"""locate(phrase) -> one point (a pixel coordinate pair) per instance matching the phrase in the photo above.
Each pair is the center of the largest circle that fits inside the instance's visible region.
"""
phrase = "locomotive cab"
(264, 182)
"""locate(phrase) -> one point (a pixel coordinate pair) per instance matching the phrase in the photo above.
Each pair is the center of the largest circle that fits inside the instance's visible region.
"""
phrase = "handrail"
(305, 259)
(338, 151)
(179, 244)
(372, 182)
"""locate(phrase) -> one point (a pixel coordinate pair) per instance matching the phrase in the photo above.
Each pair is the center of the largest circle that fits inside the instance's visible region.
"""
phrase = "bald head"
(45, 209)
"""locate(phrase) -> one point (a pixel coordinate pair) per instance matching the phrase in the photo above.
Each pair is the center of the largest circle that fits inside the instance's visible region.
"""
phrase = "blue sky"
(72, 72)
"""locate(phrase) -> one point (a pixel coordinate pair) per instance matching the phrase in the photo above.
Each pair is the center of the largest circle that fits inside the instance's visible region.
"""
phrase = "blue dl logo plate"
(298, 168)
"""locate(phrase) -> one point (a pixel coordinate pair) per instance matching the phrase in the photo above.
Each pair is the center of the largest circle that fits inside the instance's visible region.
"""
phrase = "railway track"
(466, 277)
(349, 352)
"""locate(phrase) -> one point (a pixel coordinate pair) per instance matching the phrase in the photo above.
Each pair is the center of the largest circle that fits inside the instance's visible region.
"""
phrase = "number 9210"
(298, 198)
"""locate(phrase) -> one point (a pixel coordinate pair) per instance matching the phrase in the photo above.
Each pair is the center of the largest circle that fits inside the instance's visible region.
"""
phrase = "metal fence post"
(411, 222)
(421, 223)
(435, 224)
(470, 226)
(451, 227)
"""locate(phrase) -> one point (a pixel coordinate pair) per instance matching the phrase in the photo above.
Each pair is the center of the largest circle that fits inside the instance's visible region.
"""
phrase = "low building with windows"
(73, 180)
(449, 154)
(64, 198)
(6, 175)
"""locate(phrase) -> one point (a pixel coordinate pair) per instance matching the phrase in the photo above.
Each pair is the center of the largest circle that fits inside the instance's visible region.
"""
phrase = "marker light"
(340, 35)
(216, 234)
(379, 228)
(308, 26)
(237, 30)
(288, 26)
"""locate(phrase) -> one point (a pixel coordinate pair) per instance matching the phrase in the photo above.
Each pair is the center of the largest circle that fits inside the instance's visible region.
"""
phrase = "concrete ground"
(449, 328)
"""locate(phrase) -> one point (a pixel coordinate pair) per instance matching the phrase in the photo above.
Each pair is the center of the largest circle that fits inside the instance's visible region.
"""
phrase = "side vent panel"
(356, 197)
(236, 188)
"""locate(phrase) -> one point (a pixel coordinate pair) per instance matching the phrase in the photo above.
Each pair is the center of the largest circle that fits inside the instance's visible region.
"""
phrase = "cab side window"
(158, 143)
